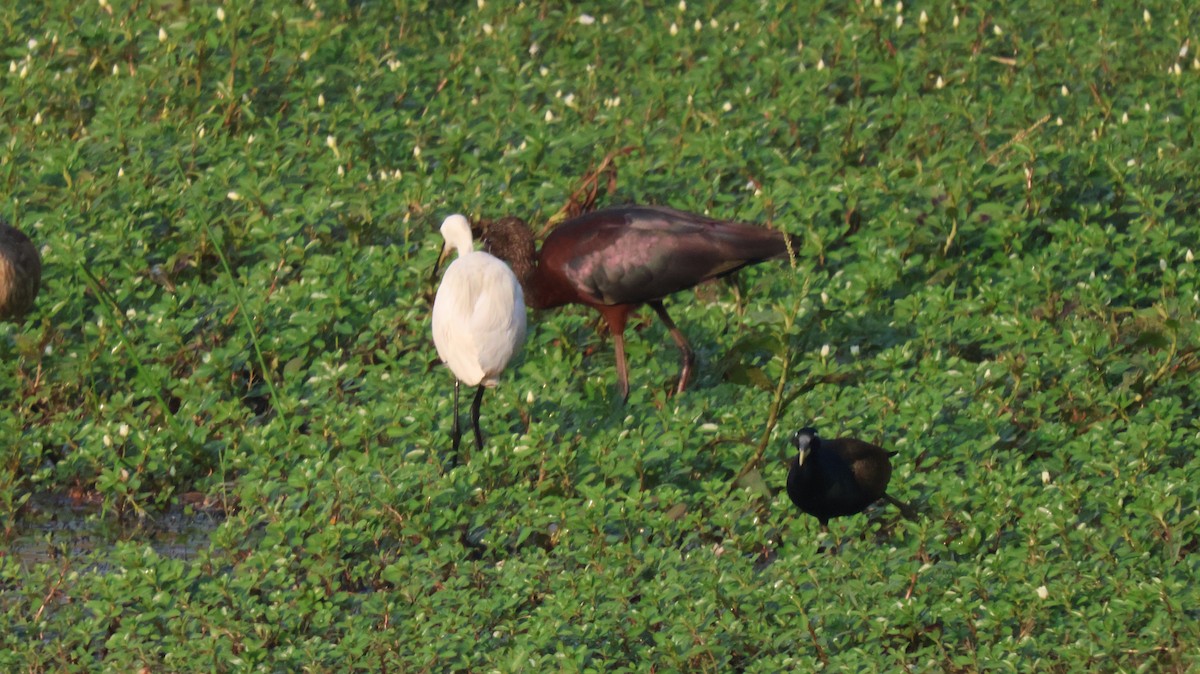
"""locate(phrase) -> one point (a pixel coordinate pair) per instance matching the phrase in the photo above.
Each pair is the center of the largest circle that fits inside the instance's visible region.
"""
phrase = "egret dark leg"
(689, 358)
(455, 431)
(475, 418)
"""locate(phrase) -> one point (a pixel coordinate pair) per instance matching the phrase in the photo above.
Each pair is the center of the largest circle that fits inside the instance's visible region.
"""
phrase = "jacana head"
(806, 441)
(511, 240)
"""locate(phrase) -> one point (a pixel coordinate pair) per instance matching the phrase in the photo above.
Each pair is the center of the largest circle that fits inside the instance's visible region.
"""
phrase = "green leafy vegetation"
(236, 207)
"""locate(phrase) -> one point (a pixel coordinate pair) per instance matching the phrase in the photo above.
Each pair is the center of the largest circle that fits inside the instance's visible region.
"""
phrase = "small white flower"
(683, 5)
(1162, 264)
(587, 19)
(1042, 592)
(899, 7)
(855, 350)
(997, 29)
(331, 142)
(480, 3)
(37, 118)
(727, 107)
(529, 397)
(32, 44)
(1188, 255)
(825, 349)
(1058, 121)
(923, 20)
(674, 29)
(304, 55)
(940, 82)
(123, 429)
(955, 22)
(821, 64)
(221, 14)
(320, 100)
(416, 151)
(233, 196)
(1045, 477)
(341, 171)
(533, 49)
(899, 20)
(121, 172)
(549, 116)
(487, 29)
(1146, 16)
(1065, 90)
(697, 26)
(1183, 51)
(162, 34)
(1124, 117)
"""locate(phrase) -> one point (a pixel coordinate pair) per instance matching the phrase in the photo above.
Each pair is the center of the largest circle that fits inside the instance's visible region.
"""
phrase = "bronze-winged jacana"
(833, 478)
(20, 273)
(478, 318)
(615, 259)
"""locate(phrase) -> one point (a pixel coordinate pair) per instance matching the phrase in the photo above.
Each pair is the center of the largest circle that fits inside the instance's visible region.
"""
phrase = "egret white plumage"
(478, 318)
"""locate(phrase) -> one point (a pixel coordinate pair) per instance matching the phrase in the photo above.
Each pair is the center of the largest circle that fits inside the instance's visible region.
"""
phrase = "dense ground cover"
(236, 208)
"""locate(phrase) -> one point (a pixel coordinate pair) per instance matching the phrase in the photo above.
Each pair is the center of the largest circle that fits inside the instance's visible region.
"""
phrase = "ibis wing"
(638, 254)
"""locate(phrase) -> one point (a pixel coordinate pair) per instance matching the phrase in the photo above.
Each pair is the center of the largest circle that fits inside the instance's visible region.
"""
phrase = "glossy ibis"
(478, 318)
(832, 478)
(20, 273)
(615, 259)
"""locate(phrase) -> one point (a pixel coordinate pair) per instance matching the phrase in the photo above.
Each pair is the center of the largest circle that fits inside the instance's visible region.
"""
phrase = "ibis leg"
(475, 418)
(616, 317)
(689, 358)
(622, 368)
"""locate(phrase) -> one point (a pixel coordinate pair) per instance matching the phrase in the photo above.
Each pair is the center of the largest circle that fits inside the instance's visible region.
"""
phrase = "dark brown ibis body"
(834, 478)
(20, 273)
(615, 259)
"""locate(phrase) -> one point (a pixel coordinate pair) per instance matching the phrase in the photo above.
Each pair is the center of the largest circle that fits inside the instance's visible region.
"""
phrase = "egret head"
(456, 230)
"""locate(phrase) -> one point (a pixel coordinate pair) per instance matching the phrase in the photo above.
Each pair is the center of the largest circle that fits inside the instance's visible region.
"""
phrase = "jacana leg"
(689, 358)
(475, 418)
(455, 431)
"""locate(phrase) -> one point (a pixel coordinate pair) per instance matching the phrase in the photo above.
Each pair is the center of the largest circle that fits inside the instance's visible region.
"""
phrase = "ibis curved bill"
(478, 318)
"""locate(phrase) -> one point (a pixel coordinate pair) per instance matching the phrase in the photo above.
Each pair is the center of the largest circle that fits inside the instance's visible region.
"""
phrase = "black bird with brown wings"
(615, 259)
(834, 478)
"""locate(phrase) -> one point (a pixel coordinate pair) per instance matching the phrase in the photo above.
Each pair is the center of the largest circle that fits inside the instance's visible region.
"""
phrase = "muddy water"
(52, 529)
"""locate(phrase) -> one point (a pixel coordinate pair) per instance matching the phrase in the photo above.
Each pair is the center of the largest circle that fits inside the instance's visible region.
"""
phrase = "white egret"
(478, 318)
